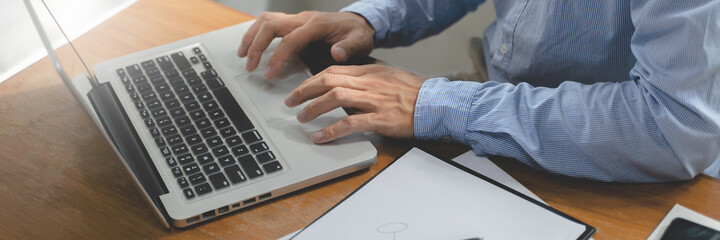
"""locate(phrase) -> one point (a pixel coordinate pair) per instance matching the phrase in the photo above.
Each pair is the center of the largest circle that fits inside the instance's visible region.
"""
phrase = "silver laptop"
(201, 136)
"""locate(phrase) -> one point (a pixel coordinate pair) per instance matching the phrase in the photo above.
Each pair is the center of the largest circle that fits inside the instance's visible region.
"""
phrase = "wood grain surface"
(59, 179)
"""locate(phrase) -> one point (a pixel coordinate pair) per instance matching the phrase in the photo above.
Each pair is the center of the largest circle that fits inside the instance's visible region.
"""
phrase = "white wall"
(438, 55)
(21, 46)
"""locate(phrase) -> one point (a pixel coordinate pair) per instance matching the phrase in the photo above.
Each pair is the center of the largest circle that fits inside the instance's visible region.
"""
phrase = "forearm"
(605, 131)
(403, 22)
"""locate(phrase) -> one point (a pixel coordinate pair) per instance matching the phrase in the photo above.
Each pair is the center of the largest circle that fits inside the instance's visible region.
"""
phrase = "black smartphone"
(682, 229)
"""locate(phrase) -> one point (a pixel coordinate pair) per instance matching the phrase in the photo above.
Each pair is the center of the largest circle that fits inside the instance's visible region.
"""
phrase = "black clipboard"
(589, 230)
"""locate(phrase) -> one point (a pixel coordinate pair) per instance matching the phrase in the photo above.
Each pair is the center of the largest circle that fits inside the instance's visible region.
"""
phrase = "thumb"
(343, 50)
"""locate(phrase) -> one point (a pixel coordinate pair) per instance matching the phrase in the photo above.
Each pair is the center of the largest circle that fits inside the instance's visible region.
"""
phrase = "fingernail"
(301, 116)
(317, 136)
(268, 71)
(341, 52)
(288, 101)
(249, 64)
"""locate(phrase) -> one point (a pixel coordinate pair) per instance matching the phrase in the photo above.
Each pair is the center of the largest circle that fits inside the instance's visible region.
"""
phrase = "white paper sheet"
(421, 197)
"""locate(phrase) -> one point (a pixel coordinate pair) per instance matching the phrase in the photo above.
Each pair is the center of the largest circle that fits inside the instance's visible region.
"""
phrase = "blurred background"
(443, 54)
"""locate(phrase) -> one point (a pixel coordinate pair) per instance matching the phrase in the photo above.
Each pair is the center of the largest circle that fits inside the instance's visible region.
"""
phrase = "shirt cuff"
(443, 108)
(379, 22)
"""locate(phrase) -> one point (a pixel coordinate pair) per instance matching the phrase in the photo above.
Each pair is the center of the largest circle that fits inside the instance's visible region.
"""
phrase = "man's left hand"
(386, 97)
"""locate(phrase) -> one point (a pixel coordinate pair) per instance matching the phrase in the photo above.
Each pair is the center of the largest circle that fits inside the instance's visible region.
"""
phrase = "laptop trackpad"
(268, 95)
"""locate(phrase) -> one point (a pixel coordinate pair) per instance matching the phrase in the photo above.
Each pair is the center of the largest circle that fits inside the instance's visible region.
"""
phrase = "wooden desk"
(60, 180)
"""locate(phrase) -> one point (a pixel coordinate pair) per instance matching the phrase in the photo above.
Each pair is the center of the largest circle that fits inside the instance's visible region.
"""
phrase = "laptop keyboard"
(208, 142)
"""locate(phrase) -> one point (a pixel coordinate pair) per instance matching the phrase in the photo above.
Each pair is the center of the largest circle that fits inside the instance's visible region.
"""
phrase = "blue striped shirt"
(607, 90)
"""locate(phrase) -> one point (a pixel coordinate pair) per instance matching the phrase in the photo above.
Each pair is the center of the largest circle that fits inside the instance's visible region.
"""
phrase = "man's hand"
(385, 95)
(349, 34)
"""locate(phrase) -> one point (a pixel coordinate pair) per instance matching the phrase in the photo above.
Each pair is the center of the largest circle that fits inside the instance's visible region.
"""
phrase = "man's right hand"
(350, 35)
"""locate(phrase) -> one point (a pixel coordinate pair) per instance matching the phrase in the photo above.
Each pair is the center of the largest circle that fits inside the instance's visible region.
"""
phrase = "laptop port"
(223, 209)
(193, 219)
(208, 214)
(264, 196)
(237, 205)
(249, 201)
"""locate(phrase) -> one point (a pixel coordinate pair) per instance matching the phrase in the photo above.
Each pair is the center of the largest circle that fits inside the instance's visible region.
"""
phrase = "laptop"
(202, 137)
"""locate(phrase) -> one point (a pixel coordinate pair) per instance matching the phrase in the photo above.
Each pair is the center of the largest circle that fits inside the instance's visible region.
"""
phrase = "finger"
(353, 45)
(267, 32)
(352, 70)
(291, 43)
(339, 97)
(320, 86)
(350, 124)
(252, 31)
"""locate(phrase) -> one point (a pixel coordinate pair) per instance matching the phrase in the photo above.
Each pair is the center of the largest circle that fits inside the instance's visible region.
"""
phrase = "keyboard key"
(214, 141)
(211, 168)
(216, 114)
(186, 97)
(199, 149)
(194, 139)
(191, 169)
(251, 168)
(121, 72)
(209, 74)
(171, 161)
(197, 114)
(155, 132)
(162, 88)
(226, 160)
(196, 50)
(179, 85)
(188, 130)
(197, 179)
(139, 105)
(208, 132)
(134, 96)
(207, 65)
(144, 88)
(153, 72)
(172, 74)
(129, 87)
(185, 159)
(202, 58)
(193, 81)
(164, 63)
(148, 96)
(265, 157)
(194, 60)
(272, 167)
(232, 108)
(154, 104)
(164, 121)
(220, 151)
(170, 130)
(219, 181)
(149, 122)
(259, 147)
(180, 149)
(144, 113)
(160, 141)
(233, 141)
(227, 132)
(203, 189)
(177, 172)
(215, 83)
(134, 71)
(139, 80)
(167, 96)
(200, 88)
(188, 193)
(221, 123)
(210, 105)
(180, 60)
(165, 151)
(239, 150)
(159, 113)
(183, 182)
(235, 174)
(205, 158)
(251, 137)
(172, 104)
(204, 97)
(203, 123)
(189, 73)
(157, 79)
(174, 140)
(192, 106)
